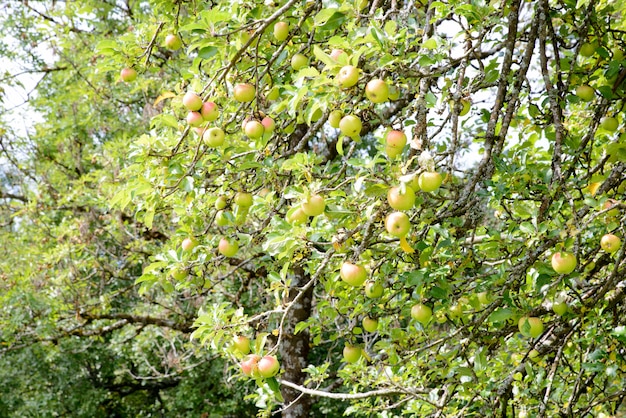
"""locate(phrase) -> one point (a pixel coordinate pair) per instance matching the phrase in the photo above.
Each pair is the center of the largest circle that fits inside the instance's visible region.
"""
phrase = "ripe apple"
(610, 243)
(297, 217)
(398, 224)
(244, 92)
(421, 313)
(585, 93)
(351, 126)
(377, 91)
(128, 75)
(530, 326)
(395, 139)
(299, 61)
(588, 49)
(336, 53)
(334, 118)
(281, 31)
(353, 274)
(173, 42)
(209, 111)
(351, 354)
(243, 199)
(192, 101)
(268, 125)
(241, 344)
(194, 119)
(373, 289)
(228, 248)
(189, 244)
(268, 366)
(401, 200)
(609, 123)
(370, 324)
(429, 181)
(249, 365)
(559, 308)
(213, 137)
(348, 76)
(253, 129)
(314, 205)
(563, 263)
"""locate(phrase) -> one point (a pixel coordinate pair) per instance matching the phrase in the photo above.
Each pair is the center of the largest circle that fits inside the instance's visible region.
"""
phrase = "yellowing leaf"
(166, 95)
(593, 187)
(405, 246)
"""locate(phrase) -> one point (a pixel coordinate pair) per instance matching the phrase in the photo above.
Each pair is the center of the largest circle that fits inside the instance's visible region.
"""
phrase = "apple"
(348, 76)
(395, 139)
(254, 129)
(314, 205)
(421, 313)
(559, 308)
(400, 200)
(243, 199)
(585, 93)
(351, 354)
(268, 366)
(297, 217)
(244, 92)
(429, 181)
(268, 125)
(128, 75)
(249, 365)
(610, 243)
(456, 310)
(530, 326)
(209, 111)
(194, 119)
(241, 344)
(221, 202)
(192, 101)
(353, 274)
(281, 31)
(173, 42)
(609, 123)
(392, 152)
(377, 91)
(610, 203)
(588, 49)
(221, 219)
(179, 274)
(336, 53)
(373, 289)
(370, 324)
(189, 244)
(483, 298)
(563, 263)
(334, 118)
(351, 126)
(228, 248)
(398, 224)
(213, 137)
(299, 61)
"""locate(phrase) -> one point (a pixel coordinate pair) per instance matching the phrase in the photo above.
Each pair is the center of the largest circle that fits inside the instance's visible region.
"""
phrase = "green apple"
(297, 217)
(314, 205)
(377, 91)
(353, 274)
(609, 123)
(401, 200)
(244, 199)
(559, 308)
(351, 354)
(392, 152)
(213, 137)
(228, 248)
(192, 101)
(128, 75)
(334, 118)
(221, 219)
(351, 126)
(221, 202)
(373, 289)
(209, 111)
(189, 244)
(299, 61)
(253, 129)
(273, 94)
(530, 326)
(585, 93)
(421, 313)
(241, 344)
(483, 298)
(348, 76)
(370, 324)
(429, 181)
(179, 274)
(394, 93)
(194, 119)
(610, 243)
(563, 262)
(281, 31)
(244, 92)
(268, 366)
(249, 365)
(588, 49)
(456, 310)
(398, 224)
(173, 42)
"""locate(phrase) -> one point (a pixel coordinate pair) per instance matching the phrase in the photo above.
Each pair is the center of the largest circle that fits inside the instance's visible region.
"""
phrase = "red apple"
(421, 313)
(348, 76)
(563, 263)
(209, 111)
(173, 42)
(353, 274)
(128, 75)
(241, 344)
(244, 92)
(268, 366)
(281, 31)
(213, 137)
(254, 129)
(430, 181)
(336, 53)
(314, 205)
(351, 354)
(395, 139)
(377, 91)
(268, 124)
(351, 126)
(194, 119)
(189, 244)
(228, 248)
(398, 224)
(401, 200)
(610, 243)
(249, 365)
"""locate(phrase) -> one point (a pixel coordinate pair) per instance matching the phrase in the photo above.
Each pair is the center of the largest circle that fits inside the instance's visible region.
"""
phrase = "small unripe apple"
(610, 243)
(209, 111)
(559, 308)
(297, 217)
(377, 91)
(353, 274)
(194, 119)
(351, 354)
(398, 224)
(369, 324)
(334, 118)
(243, 199)
(128, 75)
(373, 289)
(221, 219)
(228, 248)
(213, 137)
(254, 129)
(173, 42)
(179, 274)
(401, 200)
(588, 49)
(609, 123)
(241, 344)
(585, 93)
(221, 202)
(299, 61)
(351, 126)
(244, 92)
(421, 313)
(249, 365)
(281, 31)
(395, 139)
(268, 366)
(314, 205)
(348, 76)
(192, 101)
(530, 326)
(430, 181)
(189, 244)
(563, 263)
(483, 298)
(268, 125)
(392, 152)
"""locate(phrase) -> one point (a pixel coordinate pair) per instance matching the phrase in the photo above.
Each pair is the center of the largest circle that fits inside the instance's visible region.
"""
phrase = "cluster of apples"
(172, 42)
(254, 365)
(313, 205)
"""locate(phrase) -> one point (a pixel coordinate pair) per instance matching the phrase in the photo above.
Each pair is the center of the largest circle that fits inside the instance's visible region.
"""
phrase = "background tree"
(416, 207)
